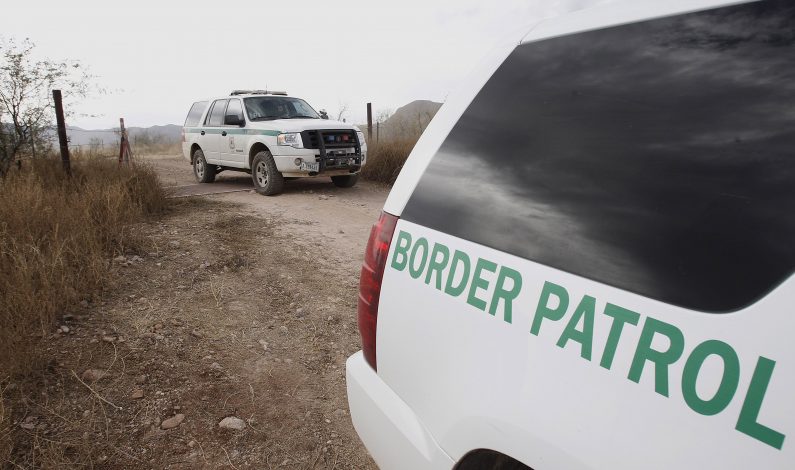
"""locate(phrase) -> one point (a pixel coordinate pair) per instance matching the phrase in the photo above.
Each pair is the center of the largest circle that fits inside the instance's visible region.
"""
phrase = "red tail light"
(370, 281)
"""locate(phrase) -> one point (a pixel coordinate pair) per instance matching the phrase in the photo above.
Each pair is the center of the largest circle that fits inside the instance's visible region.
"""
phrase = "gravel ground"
(224, 339)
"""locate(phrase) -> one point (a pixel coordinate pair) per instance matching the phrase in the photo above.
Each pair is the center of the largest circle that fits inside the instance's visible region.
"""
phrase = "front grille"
(329, 139)
(339, 148)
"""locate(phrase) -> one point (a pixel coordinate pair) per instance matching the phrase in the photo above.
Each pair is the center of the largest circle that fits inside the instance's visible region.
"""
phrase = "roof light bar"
(257, 92)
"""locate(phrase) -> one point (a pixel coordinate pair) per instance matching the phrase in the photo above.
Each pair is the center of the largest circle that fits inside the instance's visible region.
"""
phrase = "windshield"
(268, 108)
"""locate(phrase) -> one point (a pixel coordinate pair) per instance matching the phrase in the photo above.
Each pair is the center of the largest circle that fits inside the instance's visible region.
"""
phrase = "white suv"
(587, 261)
(272, 136)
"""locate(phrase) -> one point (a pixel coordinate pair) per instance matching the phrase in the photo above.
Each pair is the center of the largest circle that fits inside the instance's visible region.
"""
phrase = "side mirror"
(234, 120)
(323, 114)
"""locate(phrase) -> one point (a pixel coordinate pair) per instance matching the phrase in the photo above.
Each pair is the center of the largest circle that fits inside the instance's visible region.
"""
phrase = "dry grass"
(57, 236)
(157, 148)
(138, 148)
(385, 159)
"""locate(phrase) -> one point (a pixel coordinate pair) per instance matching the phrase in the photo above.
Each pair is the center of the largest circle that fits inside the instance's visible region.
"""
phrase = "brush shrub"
(385, 159)
(57, 235)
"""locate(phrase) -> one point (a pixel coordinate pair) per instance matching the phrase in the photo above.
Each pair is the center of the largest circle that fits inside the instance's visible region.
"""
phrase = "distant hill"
(418, 111)
(407, 121)
(169, 133)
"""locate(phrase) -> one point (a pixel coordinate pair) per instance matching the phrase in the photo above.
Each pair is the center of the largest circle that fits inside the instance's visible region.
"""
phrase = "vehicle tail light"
(375, 258)
(183, 135)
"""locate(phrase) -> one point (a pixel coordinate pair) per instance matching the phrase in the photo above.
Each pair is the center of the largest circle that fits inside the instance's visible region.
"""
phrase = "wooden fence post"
(369, 121)
(59, 119)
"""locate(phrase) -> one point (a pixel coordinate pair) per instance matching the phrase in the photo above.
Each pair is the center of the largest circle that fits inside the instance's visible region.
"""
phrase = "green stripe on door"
(236, 131)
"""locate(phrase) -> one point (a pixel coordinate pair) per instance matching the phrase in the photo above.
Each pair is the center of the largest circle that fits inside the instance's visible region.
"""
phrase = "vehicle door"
(232, 139)
(210, 134)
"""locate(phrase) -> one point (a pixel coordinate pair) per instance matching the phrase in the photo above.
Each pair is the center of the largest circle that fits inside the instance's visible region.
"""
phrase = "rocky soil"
(222, 343)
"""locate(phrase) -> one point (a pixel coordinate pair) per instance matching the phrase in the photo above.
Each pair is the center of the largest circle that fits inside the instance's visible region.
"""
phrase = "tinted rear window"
(657, 157)
(195, 114)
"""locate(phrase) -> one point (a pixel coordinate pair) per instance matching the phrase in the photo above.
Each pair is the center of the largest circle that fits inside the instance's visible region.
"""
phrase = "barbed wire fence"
(115, 140)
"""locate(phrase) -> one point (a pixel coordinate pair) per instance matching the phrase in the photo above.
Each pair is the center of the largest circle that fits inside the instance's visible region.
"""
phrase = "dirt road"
(233, 306)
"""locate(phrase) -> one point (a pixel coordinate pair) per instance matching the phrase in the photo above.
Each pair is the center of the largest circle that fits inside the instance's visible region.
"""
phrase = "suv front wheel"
(203, 172)
(267, 179)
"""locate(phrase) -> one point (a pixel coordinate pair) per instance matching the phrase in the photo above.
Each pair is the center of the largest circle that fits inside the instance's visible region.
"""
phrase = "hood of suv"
(298, 125)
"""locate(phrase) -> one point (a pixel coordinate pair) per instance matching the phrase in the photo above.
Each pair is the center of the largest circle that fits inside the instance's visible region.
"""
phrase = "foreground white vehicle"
(273, 136)
(587, 261)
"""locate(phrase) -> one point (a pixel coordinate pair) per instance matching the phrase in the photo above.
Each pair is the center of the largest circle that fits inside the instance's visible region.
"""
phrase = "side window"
(234, 109)
(657, 157)
(195, 114)
(215, 117)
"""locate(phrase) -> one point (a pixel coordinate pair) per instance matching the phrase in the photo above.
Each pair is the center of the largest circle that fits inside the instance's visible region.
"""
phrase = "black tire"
(345, 181)
(267, 179)
(203, 172)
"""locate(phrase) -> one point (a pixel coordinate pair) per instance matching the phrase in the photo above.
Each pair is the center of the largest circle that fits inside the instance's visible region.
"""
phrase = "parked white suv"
(272, 136)
(587, 261)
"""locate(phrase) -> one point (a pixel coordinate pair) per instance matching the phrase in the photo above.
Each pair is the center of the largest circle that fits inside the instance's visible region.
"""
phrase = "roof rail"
(257, 92)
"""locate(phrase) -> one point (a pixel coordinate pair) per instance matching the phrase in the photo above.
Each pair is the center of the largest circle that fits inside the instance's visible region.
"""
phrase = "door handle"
(202, 132)
(223, 133)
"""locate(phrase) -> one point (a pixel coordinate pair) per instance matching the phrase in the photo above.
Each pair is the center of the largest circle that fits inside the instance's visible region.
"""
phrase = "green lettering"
(661, 359)
(749, 414)
(459, 258)
(620, 316)
(507, 295)
(479, 283)
(401, 249)
(436, 265)
(421, 243)
(728, 384)
(584, 311)
(543, 309)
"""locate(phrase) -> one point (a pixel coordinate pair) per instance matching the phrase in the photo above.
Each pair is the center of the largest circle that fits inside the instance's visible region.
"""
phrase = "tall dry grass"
(385, 159)
(57, 236)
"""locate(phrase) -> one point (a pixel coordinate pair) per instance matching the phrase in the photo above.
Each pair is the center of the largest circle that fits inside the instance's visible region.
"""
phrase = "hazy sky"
(156, 58)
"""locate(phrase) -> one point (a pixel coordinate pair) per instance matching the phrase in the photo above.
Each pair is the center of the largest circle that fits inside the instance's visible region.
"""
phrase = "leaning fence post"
(124, 144)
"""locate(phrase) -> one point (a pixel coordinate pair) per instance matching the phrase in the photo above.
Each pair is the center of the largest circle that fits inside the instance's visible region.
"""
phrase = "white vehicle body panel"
(502, 388)
(394, 435)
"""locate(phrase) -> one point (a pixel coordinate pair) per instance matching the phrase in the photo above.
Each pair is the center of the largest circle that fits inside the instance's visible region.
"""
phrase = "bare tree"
(95, 145)
(383, 114)
(343, 110)
(25, 90)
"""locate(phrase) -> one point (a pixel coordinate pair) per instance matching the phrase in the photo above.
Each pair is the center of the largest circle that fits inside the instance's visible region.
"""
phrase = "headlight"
(292, 139)
(363, 142)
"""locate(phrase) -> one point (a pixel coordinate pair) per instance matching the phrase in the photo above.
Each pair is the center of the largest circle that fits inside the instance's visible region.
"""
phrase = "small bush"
(57, 235)
(385, 159)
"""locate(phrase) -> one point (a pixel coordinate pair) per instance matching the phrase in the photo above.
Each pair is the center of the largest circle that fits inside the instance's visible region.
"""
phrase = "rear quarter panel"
(478, 381)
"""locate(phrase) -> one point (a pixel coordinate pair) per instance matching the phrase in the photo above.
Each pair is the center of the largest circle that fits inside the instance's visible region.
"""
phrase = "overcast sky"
(157, 57)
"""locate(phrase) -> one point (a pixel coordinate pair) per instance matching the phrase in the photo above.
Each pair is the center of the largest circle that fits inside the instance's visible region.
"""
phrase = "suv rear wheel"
(267, 179)
(345, 181)
(203, 172)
